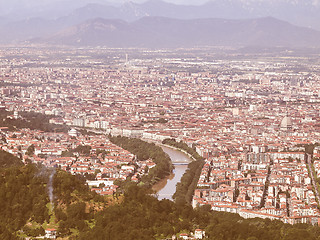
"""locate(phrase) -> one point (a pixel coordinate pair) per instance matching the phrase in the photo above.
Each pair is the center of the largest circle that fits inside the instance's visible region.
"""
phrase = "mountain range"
(157, 23)
(298, 12)
(168, 32)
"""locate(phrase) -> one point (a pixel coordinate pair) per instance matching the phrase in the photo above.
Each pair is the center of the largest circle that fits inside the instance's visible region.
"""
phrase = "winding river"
(167, 187)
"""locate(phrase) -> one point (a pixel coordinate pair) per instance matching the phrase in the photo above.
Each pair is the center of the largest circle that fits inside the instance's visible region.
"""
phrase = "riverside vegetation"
(144, 150)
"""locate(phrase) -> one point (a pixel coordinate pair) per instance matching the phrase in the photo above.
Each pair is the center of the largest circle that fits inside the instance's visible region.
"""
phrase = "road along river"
(167, 187)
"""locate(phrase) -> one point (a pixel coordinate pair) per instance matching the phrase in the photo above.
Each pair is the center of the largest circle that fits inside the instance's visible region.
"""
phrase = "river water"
(167, 187)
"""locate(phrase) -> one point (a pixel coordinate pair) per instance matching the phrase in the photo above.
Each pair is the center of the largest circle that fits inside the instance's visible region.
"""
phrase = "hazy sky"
(41, 2)
(4, 3)
(115, 1)
(8, 6)
(66, 6)
(193, 2)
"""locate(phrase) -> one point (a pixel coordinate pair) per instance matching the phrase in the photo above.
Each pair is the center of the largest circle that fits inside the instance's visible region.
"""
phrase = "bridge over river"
(167, 187)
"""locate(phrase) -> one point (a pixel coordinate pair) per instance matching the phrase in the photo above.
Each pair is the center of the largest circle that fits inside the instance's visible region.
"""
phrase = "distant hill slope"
(167, 32)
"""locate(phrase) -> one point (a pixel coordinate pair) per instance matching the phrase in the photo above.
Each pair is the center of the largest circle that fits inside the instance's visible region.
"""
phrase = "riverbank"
(162, 183)
(177, 149)
(170, 146)
(183, 147)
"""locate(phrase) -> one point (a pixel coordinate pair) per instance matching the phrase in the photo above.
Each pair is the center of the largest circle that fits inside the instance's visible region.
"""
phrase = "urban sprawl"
(249, 116)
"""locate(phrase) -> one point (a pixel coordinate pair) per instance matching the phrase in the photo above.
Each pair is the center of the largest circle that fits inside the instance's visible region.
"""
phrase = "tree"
(30, 150)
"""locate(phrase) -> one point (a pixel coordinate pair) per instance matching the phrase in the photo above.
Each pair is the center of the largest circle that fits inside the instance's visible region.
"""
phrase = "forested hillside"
(23, 198)
(78, 213)
(142, 216)
(26, 210)
(7, 160)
